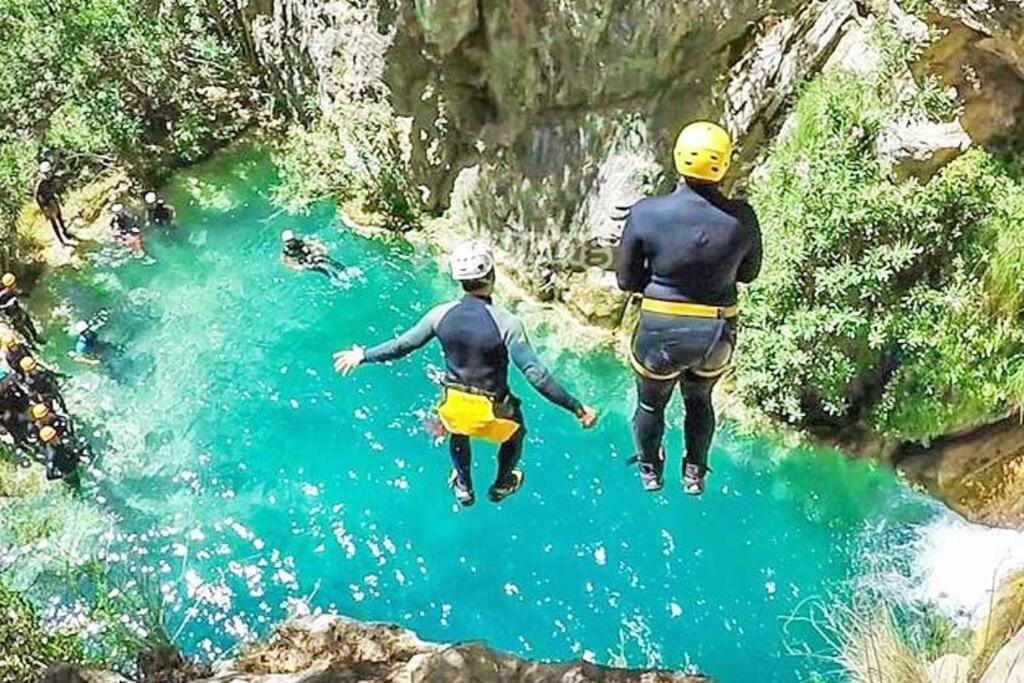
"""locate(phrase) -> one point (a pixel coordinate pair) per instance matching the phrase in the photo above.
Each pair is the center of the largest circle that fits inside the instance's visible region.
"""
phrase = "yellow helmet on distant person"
(703, 151)
(8, 280)
(28, 364)
(39, 411)
(7, 337)
(47, 434)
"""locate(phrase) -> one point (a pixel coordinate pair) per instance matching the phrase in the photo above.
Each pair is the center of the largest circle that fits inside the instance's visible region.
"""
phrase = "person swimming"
(306, 253)
(86, 341)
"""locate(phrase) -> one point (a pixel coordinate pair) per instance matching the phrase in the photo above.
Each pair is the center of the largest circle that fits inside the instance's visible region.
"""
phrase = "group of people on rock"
(682, 254)
(34, 418)
(125, 227)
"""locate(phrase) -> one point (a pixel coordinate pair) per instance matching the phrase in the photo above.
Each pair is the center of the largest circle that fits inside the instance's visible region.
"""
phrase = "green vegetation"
(349, 157)
(91, 83)
(893, 306)
(28, 648)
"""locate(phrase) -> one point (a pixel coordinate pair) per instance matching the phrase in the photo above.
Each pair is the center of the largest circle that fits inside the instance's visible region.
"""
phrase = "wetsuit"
(41, 386)
(61, 459)
(14, 354)
(85, 342)
(159, 213)
(305, 255)
(49, 203)
(690, 246)
(13, 406)
(11, 308)
(478, 340)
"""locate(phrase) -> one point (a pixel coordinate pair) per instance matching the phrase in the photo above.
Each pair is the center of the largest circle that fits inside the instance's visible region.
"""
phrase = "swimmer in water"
(306, 253)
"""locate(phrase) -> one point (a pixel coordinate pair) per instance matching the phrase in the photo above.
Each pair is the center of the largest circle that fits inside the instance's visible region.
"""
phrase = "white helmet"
(79, 327)
(471, 260)
(45, 166)
(287, 235)
(117, 208)
(150, 197)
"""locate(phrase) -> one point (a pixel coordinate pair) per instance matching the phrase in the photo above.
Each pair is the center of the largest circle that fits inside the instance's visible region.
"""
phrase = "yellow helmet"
(47, 434)
(703, 151)
(28, 363)
(39, 411)
(8, 280)
(7, 337)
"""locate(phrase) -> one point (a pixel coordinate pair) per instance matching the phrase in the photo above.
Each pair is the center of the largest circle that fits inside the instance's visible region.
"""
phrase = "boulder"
(333, 649)
(1008, 666)
(594, 295)
(949, 669)
(920, 148)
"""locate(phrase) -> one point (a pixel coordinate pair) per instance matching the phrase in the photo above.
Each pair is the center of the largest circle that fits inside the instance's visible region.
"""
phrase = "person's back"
(691, 245)
(474, 350)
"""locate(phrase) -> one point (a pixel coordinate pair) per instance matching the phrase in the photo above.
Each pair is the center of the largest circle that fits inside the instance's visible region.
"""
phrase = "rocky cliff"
(329, 649)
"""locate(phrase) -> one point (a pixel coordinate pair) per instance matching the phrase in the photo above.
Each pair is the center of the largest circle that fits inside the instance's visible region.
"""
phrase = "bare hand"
(588, 417)
(347, 361)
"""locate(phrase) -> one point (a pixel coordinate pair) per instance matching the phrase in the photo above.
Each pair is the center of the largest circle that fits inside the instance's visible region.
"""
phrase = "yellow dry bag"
(471, 414)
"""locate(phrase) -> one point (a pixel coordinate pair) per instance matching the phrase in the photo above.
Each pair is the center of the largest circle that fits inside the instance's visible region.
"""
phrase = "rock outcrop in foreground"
(332, 649)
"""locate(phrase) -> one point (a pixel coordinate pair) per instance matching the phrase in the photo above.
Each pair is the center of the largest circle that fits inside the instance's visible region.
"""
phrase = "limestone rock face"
(949, 669)
(329, 649)
(1008, 666)
(979, 473)
(920, 148)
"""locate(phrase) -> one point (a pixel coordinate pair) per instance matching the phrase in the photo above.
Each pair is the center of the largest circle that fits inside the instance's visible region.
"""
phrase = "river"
(249, 481)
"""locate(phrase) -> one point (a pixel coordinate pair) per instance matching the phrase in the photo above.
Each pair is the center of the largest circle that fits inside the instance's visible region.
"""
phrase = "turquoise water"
(251, 481)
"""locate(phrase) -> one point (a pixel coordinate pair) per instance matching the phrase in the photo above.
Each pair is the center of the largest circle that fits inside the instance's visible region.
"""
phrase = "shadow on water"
(251, 481)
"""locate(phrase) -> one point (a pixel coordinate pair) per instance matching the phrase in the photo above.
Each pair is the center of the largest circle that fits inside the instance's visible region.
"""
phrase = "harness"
(682, 309)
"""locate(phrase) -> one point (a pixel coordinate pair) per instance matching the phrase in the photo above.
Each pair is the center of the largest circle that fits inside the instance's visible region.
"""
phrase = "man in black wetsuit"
(685, 252)
(158, 212)
(40, 383)
(479, 339)
(16, 316)
(305, 253)
(48, 199)
(14, 351)
(126, 230)
(13, 404)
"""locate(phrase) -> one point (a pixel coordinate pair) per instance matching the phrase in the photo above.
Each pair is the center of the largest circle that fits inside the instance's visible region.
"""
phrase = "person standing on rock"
(16, 316)
(48, 199)
(685, 252)
(479, 339)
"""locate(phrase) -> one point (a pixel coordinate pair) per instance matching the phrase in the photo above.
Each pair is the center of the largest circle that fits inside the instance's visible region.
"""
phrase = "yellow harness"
(472, 414)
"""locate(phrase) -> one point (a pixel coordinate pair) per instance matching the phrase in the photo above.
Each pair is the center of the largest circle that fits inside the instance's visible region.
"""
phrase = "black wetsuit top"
(691, 245)
(14, 355)
(298, 249)
(46, 192)
(159, 213)
(125, 225)
(8, 300)
(478, 339)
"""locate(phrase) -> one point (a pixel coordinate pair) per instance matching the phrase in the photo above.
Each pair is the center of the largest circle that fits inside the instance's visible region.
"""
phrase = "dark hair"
(479, 283)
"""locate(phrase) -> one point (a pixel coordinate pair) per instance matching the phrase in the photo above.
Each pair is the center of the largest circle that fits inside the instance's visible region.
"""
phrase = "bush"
(92, 82)
(26, 648)
(888, 305)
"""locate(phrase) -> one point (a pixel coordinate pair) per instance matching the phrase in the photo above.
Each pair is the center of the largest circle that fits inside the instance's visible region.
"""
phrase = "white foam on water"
(957, 565)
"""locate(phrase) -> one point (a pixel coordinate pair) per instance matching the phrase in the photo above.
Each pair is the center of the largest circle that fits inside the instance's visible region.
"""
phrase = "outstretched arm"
(523, 355)
(414, 338)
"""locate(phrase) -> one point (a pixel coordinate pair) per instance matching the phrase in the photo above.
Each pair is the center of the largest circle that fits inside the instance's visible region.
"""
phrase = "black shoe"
(464, 494)
(693, 479)
(651, 473)
(499, 492)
